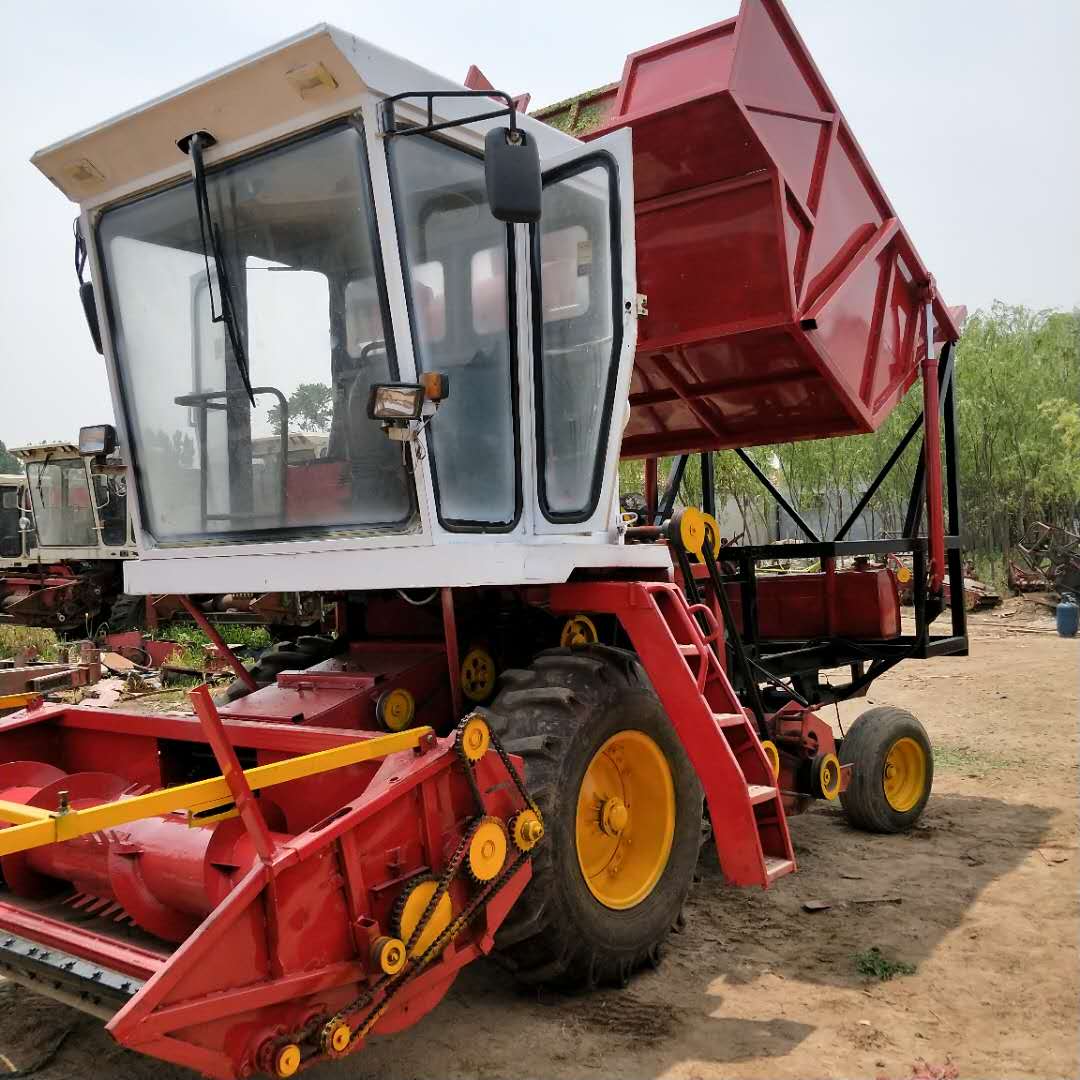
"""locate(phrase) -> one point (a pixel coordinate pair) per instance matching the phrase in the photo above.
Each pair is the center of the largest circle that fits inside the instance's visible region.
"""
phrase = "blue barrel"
(1068, 616)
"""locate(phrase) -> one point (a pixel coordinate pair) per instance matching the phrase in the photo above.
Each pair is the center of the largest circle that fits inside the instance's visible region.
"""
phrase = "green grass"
(14, 638)
(874, 964)
(192, 640)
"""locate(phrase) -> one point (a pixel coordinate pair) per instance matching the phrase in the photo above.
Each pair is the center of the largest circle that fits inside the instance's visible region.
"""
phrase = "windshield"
(60, 496)
(296, 230)
(456, 257)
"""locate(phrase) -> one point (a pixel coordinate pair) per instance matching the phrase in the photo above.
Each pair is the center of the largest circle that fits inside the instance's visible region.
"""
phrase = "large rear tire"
(305, 652)
(605, 766)
(892, 770)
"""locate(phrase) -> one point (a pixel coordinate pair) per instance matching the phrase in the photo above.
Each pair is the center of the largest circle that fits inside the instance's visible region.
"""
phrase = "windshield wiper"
(227, 315)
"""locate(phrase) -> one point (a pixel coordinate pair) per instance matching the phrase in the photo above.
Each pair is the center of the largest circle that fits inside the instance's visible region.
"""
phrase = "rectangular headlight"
(396, 401)
(97, 441)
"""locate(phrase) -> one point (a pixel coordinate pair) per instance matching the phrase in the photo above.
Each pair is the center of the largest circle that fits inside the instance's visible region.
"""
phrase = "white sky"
(967, 109)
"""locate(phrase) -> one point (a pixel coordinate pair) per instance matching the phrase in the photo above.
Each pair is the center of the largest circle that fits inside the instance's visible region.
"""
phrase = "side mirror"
(512, 173)
(86, 295)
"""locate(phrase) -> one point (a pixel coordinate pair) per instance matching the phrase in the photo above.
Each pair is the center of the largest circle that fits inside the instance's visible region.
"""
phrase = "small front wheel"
(892, 770)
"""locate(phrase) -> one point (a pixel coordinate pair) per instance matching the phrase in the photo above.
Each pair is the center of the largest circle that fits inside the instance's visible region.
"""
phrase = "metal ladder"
(745, 803)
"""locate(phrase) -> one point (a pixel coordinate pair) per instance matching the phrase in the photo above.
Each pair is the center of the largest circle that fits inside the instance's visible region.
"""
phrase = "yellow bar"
(56, 827)
(25, 836)
(17, 701)
(19, 813)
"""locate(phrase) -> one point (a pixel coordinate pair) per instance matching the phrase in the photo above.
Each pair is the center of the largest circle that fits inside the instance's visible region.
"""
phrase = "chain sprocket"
(388, 986)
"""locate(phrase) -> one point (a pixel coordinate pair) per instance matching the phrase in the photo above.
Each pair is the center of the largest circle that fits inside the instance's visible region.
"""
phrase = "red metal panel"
(766, 246)
(794, 606)
(274, 927)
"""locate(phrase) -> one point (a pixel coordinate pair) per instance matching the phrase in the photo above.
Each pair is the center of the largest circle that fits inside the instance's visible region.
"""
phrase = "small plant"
(14, 638)
(875, 965)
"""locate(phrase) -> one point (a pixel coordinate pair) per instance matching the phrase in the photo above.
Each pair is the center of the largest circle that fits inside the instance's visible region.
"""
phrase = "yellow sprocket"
(410, 907)
(488, 846)
(474, 737)
(526, 829)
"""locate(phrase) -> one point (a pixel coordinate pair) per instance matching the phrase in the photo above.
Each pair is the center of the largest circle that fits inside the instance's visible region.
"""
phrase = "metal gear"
(488, 845)
(336, 1037)
(389, 985)
(526, 829)
(473, 738)
(411, 920)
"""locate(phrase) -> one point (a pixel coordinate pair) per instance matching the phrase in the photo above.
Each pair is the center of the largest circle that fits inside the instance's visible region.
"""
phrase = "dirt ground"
(982, 899)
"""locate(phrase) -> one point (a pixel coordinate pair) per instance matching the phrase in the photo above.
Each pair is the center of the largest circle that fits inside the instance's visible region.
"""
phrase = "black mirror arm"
(388, 122)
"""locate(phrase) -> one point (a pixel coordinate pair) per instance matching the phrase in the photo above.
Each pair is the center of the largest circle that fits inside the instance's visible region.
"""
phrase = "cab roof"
(306, 80)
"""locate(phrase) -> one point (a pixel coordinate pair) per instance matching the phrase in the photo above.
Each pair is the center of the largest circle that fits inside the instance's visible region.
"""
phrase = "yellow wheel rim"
(578, 631)
(829, 775)
(625, 819)
(477, 674)
(904, 775)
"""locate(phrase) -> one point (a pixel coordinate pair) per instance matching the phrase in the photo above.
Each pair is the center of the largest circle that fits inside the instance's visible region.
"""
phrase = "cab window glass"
(455, 257)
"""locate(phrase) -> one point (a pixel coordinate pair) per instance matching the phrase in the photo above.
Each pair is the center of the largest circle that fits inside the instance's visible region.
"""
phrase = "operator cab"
(12, 534)
(332, 242)
(73, 505)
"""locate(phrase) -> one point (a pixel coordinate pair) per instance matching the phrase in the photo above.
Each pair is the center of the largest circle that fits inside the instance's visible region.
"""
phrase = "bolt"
(531, 831)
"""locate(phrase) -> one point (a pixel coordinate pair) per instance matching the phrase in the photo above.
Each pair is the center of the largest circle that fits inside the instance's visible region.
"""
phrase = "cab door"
(584, 332)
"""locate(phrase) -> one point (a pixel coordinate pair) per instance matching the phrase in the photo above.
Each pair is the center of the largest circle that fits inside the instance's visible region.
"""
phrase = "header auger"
(380, 337)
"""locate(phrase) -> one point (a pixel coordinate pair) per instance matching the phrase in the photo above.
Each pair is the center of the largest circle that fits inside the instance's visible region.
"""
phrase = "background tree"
(9, 463)
(311, 407)
(1018, 405)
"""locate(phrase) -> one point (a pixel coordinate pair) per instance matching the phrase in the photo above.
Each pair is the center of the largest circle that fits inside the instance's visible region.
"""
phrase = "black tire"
(305, 652)
(866, 747)
(126, 612)
(557, 714)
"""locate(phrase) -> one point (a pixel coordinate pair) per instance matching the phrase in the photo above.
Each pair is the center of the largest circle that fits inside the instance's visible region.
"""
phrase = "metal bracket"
(388, 123)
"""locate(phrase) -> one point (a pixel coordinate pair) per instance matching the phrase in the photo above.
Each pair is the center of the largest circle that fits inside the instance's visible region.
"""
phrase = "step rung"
(729, 719)
(776, 867)
(760, 793)
(689, 650)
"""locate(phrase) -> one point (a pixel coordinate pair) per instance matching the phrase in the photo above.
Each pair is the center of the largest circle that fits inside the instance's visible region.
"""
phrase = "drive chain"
(390, 985)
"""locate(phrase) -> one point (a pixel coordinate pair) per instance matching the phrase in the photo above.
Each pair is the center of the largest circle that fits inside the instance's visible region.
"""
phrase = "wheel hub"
(625, 819)
(904, 775)
(614, 816)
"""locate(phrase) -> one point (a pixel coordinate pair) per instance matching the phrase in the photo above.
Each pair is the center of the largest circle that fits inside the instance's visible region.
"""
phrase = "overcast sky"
(967, 109)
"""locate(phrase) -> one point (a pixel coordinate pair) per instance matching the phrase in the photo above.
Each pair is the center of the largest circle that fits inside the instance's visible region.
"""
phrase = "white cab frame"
(260, 101)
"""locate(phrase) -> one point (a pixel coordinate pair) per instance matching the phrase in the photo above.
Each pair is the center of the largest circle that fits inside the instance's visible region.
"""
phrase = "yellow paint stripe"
(35, 830)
